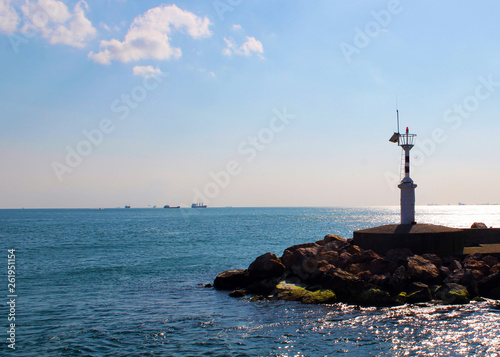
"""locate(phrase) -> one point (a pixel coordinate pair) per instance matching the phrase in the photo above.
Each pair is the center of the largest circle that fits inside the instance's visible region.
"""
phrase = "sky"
(246, 103)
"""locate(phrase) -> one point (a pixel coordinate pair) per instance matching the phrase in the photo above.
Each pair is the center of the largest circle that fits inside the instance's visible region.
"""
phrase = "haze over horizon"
(246, 103)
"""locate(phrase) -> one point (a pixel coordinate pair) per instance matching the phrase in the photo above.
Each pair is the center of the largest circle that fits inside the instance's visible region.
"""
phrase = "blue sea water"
(119, 282)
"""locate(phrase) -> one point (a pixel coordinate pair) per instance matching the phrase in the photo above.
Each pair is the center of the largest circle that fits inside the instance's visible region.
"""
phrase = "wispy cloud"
(146, 71)
(249, 47)
(53, 20)
(149, 36)
(9, 18)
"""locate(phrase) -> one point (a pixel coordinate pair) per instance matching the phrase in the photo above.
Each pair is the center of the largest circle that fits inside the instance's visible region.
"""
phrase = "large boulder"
(418, 292)
(345, 285)
(332, 242)
(399, 280)
(453, 293)
(488, 286)
(422, 270)
(265, 266)
(398, 256)
(231, 280)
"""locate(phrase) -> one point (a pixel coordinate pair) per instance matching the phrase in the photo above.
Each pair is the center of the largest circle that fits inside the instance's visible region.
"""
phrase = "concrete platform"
(429, 238)
(419, 238)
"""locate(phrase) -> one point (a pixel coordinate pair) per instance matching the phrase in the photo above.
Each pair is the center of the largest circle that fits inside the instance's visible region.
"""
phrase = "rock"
(345, 285)
(319, 297)
(344, 259)
(479, 225)
(398, 256)
(291, 292)
(478, 265)
(356, 268)
(301, 258)
(495, 269)
(454, 265)
(488, 285)
(453, 293)
(491, 261)
(257, 298)
(332, 242)
(379, 266)
(380, 281)
(469, 280)
(231, 280)
(265, 266)
(399, 280)
(473, 258)
(366, 257)
(375, 297)
(330, 256)
(297, 252)
(263, 287)
(237, 293)
(444, 273)
(434, 259)
(353, 250)
(418, 292)
(422, 270)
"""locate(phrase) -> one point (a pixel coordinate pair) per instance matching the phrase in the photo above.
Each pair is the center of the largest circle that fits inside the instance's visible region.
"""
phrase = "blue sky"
(246, 103)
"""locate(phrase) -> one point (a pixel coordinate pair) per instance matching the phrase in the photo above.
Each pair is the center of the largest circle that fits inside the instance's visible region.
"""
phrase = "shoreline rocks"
(336, 270)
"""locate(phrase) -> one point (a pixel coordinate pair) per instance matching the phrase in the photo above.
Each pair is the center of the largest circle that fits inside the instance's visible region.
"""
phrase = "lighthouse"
(407, 186)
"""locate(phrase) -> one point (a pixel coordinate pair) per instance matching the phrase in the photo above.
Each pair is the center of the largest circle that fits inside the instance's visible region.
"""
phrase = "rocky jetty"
(336, 270)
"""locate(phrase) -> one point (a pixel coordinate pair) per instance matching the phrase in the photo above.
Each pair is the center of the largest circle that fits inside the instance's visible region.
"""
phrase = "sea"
(131, 282)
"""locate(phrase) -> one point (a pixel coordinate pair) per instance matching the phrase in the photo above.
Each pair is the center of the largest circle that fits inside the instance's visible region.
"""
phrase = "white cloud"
(249, 47)
(237, 27)
(146, 71)
(149, 36)
(9, 18)
(53, 20)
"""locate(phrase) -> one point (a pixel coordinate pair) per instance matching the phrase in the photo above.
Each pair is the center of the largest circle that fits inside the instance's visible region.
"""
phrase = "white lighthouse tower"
(407, 186)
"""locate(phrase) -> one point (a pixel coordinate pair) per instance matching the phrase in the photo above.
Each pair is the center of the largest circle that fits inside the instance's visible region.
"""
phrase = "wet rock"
(291, 292)
(231, 280)
(421, 269)
(263, 287)
(375, 297)
(238, 293)
(265, 266)
(418, 292)
(453, 293)
(346, 285)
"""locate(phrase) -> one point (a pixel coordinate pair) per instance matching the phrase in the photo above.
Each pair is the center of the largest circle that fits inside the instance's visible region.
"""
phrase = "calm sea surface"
(123, 282)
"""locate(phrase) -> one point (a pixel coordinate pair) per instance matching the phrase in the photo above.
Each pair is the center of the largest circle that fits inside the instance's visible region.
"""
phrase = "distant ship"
(127, 206)
(198, 205)
(167, 206)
